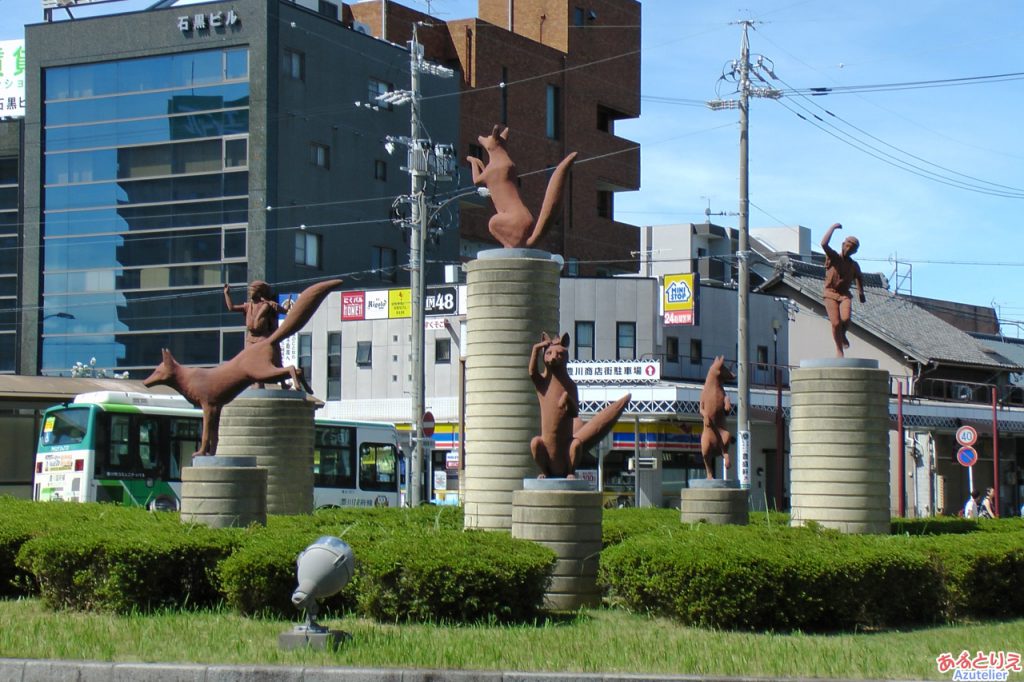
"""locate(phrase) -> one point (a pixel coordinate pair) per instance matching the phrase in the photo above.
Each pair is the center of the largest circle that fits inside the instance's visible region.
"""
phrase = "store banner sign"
(12, 78)
(615, 371)
(679, 299)
(377, 305)
(353, 305)
(441, 300)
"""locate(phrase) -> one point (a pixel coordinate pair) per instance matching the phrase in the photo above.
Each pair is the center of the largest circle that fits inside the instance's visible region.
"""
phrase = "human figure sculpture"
(840, 272)
(512, 224)
(213, 388)
(564, 437)
(261, 313)
(714, 406)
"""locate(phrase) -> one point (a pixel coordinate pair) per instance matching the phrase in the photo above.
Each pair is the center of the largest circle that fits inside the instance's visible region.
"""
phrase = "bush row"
(420, 565)
(780, 578)
(411, 564)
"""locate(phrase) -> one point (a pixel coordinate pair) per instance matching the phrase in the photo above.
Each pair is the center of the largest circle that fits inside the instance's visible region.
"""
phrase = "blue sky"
(963, 245)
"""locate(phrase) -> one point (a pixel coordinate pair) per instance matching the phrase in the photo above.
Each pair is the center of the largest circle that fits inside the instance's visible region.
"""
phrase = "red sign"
(678, 317)
(966, 436)
(353, 305)
(428, 424)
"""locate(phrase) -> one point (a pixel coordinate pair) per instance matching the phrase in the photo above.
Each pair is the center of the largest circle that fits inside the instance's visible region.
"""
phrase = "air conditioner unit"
(360, 27)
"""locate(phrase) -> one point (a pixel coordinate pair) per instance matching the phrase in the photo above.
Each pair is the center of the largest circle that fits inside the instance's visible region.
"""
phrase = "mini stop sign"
(428, 424)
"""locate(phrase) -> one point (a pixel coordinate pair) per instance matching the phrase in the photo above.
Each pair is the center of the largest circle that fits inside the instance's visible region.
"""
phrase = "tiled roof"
(897, 320)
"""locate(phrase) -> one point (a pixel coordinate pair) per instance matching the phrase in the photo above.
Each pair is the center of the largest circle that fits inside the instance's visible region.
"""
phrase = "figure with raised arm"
(841, 271)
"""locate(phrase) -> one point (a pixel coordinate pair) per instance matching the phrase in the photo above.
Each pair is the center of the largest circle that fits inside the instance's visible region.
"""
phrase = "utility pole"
(742, 71)
(424, 160)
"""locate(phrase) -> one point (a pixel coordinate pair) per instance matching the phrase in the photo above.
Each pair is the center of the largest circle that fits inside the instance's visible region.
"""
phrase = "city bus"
(129, 448)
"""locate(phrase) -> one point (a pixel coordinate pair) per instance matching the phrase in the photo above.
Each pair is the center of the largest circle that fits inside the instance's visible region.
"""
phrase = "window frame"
(578, 346)
(333, 366)
(320, 155)
(303, 241)
(619, 328)
(364, 354)
(293, 64)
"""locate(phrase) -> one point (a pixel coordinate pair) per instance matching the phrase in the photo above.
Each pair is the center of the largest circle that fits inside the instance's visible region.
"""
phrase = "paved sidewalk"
(22, 670)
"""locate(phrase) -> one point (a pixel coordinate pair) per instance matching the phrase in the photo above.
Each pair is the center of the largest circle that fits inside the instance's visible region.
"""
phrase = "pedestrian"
(971, 508)
(987, 507)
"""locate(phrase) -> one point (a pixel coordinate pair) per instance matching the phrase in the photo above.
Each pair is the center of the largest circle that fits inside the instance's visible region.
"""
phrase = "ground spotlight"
(322, 569)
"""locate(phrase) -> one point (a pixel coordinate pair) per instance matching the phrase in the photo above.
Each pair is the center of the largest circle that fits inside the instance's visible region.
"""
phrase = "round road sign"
(967, 456)
(428, 424)
(966, 436)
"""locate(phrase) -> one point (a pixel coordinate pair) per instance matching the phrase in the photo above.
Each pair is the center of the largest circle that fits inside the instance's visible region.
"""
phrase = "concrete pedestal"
(512, 298)
(839, 430)
(224, 492)
(715, 501)
(276, 427)
(565, 516)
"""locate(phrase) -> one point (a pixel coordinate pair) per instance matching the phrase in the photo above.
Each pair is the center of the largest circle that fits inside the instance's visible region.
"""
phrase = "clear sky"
(931, 174)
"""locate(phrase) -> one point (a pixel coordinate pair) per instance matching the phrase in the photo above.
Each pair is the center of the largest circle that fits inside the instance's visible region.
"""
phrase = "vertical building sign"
(679, 299)
(12, 78)
(289, 345)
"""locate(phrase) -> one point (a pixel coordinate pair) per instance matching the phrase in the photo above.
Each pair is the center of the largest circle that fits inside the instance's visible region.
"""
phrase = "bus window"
(66, 427)
(334, 457)
(120, 442)
(149, 446)
(378, 467)
(186, 433)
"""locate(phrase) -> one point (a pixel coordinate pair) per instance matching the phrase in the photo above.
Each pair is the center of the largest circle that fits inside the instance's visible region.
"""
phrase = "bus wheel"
(162, 503)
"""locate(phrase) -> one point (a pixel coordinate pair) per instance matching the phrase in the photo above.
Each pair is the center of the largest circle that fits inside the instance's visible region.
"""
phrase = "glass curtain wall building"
(145, 207)
(10, 248)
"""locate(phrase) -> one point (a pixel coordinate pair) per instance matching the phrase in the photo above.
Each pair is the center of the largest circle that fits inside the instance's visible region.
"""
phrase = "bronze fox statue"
(564, 437)
(714, 406)
(513, 225)
(213, 388)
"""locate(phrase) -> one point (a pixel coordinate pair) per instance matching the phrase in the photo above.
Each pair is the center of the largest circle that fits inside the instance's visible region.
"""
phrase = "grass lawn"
(594, 641)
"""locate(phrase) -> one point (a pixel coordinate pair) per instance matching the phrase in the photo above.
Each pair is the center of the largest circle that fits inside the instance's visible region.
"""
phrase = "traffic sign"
(966, 436)
(967, 456)
(428, 424)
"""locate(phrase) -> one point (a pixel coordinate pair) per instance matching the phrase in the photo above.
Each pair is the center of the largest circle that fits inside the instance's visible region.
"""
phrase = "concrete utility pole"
(422, 162)
(742, 70)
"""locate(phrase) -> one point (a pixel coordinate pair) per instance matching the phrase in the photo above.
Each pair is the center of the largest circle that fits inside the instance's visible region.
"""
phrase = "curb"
(33, 670)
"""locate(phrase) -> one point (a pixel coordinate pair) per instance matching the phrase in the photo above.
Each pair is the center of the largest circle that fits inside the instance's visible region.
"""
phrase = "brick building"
(570, 70)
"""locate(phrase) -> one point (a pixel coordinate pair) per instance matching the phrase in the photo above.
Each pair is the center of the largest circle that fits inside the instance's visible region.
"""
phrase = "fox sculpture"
(213, 388)
(513, 224)
(564, 437)
(714, 406)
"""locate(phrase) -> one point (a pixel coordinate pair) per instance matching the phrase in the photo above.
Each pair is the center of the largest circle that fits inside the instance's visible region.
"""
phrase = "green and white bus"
(129, 448)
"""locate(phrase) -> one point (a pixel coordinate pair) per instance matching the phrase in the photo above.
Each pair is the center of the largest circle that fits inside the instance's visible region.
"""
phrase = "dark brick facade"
(590, 52)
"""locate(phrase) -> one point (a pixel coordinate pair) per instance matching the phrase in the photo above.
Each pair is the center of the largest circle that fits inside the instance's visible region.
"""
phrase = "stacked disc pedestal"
(224, 492)
(512, 298)
(565, 517)
(276, 427)
(839, 463)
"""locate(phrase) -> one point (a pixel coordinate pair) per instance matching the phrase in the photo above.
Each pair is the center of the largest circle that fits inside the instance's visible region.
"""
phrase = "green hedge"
(160, 566)
(414, 565)
(778, 578)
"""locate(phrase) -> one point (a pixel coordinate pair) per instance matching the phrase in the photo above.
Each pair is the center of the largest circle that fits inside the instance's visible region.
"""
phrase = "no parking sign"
(967, 456)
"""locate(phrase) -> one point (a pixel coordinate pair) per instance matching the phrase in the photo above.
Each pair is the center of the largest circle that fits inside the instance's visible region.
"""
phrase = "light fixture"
(389, 146)
(322, 569)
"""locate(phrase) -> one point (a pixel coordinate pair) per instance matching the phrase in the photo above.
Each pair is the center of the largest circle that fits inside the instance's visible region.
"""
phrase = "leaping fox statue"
(213, 388)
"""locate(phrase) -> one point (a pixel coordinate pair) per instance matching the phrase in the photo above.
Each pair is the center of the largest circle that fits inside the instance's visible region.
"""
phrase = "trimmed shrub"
(454, 576)
(621, 524)
(150, 568)
(411, 564)
(750, 578)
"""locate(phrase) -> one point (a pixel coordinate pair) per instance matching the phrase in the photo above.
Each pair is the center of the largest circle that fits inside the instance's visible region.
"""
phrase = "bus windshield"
(65, 427)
